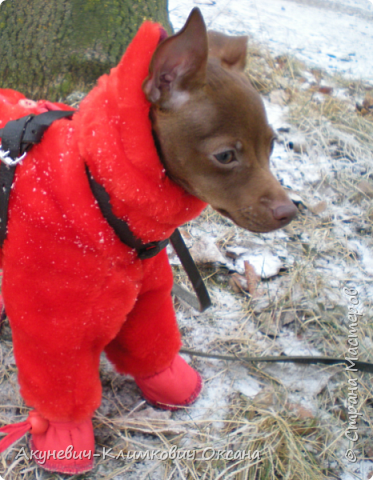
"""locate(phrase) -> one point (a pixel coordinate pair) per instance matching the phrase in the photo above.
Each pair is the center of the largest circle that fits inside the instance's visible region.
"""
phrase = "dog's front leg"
(148, 343)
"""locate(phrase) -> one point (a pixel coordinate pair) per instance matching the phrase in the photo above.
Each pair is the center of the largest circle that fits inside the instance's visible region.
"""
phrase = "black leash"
(351, 365)
(18, 136)
(202, 301)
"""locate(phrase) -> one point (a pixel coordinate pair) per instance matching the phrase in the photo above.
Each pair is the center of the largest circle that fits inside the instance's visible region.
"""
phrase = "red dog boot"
(177, 386)
(65, 447)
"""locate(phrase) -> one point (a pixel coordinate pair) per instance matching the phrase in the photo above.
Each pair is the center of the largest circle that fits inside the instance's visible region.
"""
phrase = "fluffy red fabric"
(70, 287)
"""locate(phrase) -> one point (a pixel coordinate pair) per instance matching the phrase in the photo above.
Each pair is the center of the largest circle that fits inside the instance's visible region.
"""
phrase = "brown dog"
(212, 129)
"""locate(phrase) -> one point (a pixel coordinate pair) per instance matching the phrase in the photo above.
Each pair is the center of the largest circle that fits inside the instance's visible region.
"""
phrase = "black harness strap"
(19, 135)
(121, 228)
(6, 182)
(16, 138)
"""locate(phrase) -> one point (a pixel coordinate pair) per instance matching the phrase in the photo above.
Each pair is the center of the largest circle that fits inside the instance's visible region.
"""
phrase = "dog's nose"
(285, 213)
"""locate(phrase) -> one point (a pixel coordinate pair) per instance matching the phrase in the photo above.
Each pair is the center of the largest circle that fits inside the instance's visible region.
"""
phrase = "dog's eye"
(225, 157)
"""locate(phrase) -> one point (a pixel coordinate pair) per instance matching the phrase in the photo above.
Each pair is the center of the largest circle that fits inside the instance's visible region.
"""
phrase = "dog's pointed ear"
(178, 64)
(232, 51)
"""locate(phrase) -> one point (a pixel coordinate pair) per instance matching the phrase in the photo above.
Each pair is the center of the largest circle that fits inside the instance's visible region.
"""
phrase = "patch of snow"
(265, 263)
(213, 402)
(292, 346)
(306, 380)
(360, 470)
(328, 35)
(276, 115)
(364, 253)
(244, 383)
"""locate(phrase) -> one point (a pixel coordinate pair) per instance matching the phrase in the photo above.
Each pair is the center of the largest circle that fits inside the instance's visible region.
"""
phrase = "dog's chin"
(250, 224)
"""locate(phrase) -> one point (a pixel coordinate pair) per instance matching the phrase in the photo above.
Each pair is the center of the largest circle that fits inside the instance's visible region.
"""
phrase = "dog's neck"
(117, 144)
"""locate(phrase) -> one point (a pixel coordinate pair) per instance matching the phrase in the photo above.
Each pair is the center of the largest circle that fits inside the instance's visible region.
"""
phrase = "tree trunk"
(51, 48)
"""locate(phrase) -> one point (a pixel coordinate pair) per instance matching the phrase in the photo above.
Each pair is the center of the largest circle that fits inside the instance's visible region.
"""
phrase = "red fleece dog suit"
(71, 288)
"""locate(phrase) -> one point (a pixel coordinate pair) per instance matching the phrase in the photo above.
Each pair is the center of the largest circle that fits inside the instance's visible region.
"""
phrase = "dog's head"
(211, 126)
